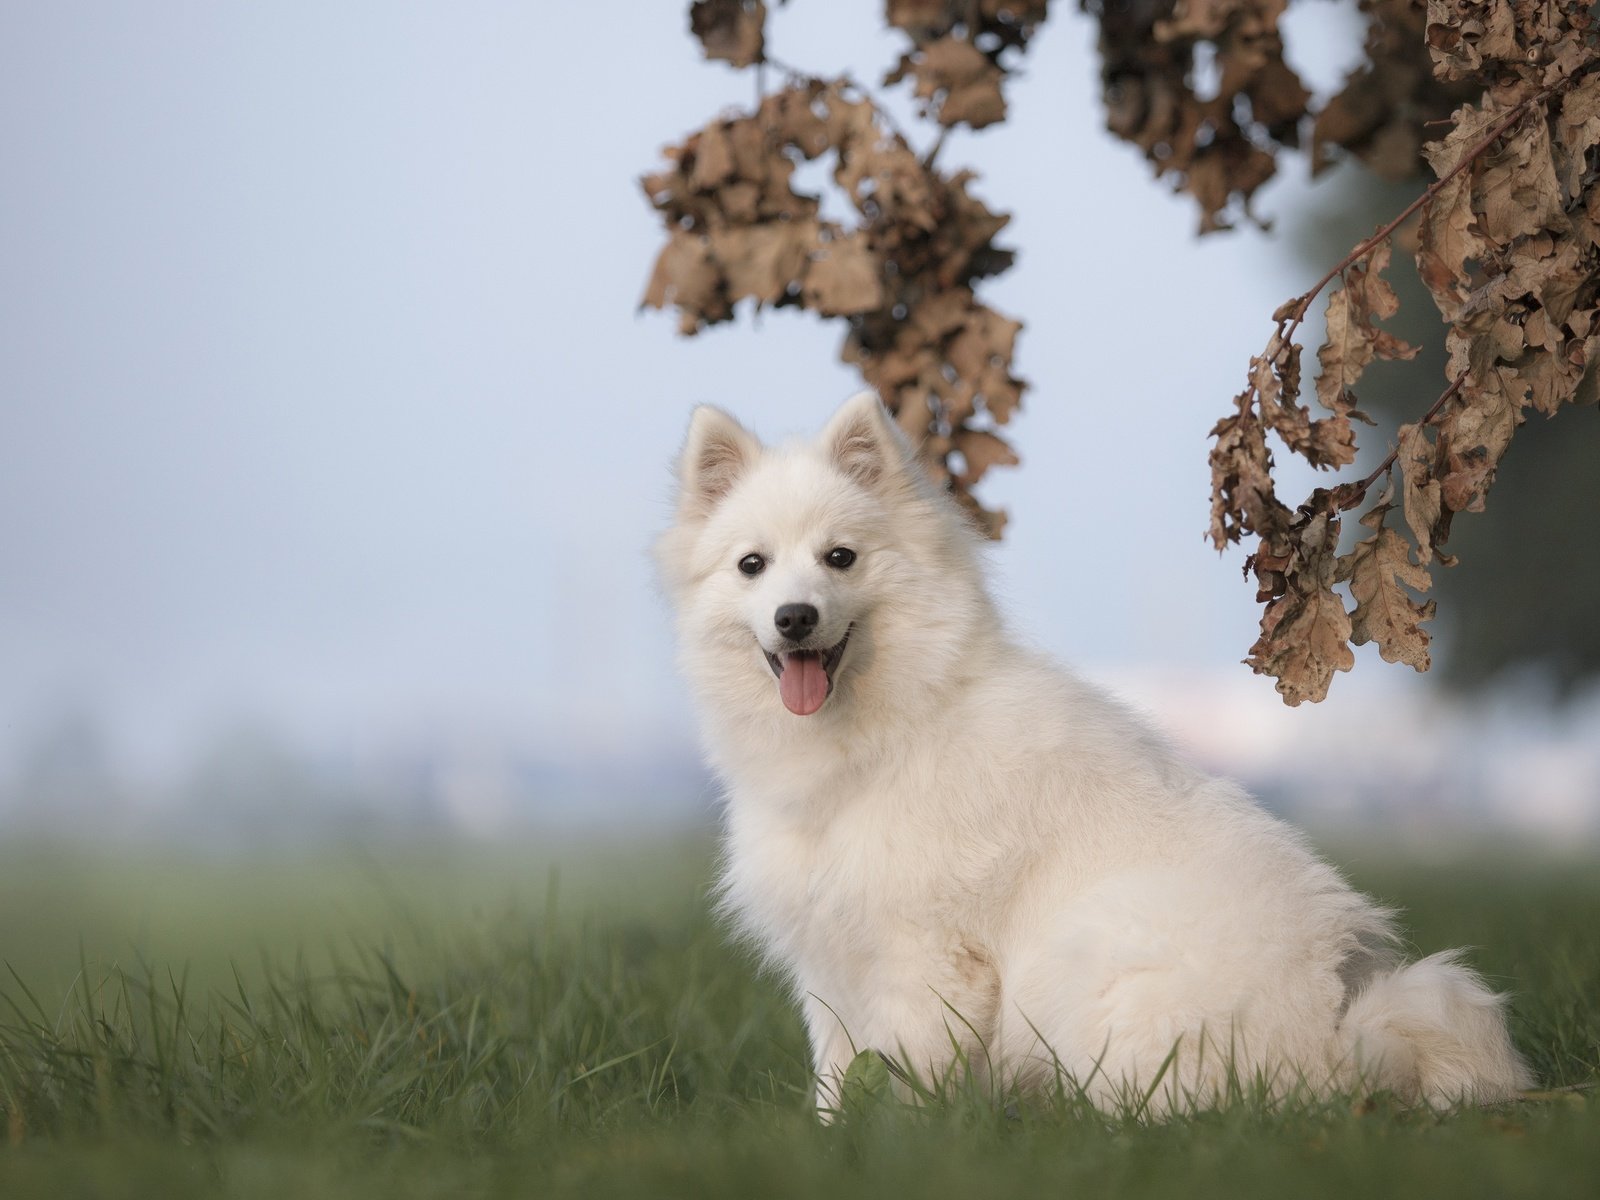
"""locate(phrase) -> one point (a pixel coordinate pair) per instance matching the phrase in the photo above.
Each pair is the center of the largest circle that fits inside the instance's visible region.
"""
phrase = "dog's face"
(793, 555)
(780, 556)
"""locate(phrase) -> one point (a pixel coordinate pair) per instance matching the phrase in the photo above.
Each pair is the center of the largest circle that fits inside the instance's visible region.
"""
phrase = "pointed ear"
(718, 451)
(864, 442)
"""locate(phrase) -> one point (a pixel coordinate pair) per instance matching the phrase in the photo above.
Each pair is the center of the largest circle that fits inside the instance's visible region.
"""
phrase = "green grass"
(464, 1023)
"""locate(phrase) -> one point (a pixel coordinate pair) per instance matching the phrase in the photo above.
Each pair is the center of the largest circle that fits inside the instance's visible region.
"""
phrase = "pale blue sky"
(324, 402)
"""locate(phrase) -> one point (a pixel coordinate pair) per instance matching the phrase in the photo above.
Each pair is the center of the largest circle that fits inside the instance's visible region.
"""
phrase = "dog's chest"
(860, 885)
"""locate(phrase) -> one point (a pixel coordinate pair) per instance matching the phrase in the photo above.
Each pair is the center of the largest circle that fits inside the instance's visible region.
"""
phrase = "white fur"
(968, 856)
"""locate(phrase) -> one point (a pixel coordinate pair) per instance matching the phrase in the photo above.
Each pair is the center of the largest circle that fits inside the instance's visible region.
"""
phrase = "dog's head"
(791, 564)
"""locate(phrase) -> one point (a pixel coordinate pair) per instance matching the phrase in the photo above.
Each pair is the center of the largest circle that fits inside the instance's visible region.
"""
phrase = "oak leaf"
(685, 275)
(1242, 495)
(922, 19)
(1487, 416)
(1465, 35)
(1467, 478)
(1305, 632)
(729, 30)
(981, 449)
(1419, 490)
(1515, 190)
(956, 82)
(1353, 341)
(713, 158)
(844, 277)
(793, 117)
(1577, 129)
(760, 261)
(1379, 569)
(1447, 241)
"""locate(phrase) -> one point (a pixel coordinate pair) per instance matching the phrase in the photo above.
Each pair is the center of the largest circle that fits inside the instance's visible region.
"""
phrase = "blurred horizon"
(1431, 771)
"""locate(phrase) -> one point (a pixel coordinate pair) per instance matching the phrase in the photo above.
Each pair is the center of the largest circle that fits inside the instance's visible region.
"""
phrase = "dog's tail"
(1432, 1031)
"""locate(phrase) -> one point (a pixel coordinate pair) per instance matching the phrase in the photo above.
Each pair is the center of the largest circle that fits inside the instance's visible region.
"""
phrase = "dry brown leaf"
(729, 30)
(1465, 35)
(1468, 126)
(1353, 341)
(1588, 389)
(1515, 190)
(843, 278)
(1004, 22)
(760, 262)
(685, 275)
(981, 449)
(1486, 419)
(1577, 130)
(956, 82)
(1558, 280)
(1275, 377)
(1345, 354)
(1467, 478)
(1550, 379)
(1242, 495)
(793, 117)
(1448, 242)
(1379, 569)
(1305, 633)
(922, 19)
(1419, 490)
(713, 158)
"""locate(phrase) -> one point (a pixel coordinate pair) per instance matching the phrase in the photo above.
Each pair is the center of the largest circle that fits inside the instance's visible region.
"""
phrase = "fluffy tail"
(1432, 1031)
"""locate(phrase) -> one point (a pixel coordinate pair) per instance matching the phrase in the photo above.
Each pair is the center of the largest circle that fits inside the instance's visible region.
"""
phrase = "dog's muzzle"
(805, 677)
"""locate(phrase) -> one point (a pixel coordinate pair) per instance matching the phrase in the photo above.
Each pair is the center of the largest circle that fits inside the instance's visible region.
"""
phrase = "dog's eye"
(840, 557)
(752, 564)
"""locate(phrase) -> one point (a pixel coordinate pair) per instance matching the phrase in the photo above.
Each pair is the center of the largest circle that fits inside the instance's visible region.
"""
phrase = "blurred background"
(332, 444)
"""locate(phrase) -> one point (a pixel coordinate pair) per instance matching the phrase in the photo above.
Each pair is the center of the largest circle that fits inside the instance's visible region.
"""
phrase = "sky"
(325, 402)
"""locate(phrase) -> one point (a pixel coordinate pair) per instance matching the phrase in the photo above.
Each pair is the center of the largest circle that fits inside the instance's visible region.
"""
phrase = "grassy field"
(469, 1022)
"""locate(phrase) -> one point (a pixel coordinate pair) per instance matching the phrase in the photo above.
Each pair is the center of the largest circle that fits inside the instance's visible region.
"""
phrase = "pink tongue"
(803, 684)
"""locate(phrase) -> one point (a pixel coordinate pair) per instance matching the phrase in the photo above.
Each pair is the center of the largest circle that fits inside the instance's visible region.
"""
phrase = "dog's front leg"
(831, 1052)
(920, 1035)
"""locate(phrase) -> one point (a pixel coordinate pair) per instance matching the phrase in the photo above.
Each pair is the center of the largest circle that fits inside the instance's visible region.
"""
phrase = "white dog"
(961, 855)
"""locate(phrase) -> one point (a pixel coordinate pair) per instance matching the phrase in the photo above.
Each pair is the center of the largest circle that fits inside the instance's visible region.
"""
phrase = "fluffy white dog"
(962, 855)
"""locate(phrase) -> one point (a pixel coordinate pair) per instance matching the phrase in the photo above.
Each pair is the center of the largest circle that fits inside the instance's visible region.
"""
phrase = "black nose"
(796, 621)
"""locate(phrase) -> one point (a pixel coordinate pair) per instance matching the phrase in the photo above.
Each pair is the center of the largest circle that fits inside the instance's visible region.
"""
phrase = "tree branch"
(1302, 304)
(1347, 496)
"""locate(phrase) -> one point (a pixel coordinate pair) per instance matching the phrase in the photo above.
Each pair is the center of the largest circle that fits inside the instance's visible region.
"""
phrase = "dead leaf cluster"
(900, 274)
(1508, 43)
(1202, 88)
(1511, 251)
(955, 61)
(1508, 242)
(1500, 98)
(1389, 104)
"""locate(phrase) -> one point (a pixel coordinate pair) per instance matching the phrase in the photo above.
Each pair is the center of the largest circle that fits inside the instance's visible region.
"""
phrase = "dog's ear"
(717, 452)
(864, 442)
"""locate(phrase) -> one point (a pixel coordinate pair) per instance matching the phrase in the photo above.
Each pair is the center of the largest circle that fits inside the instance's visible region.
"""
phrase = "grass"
(462, 1023)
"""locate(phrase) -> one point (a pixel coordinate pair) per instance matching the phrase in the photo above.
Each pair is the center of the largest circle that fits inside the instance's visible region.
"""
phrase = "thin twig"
(768, 60)
(1357, 493)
